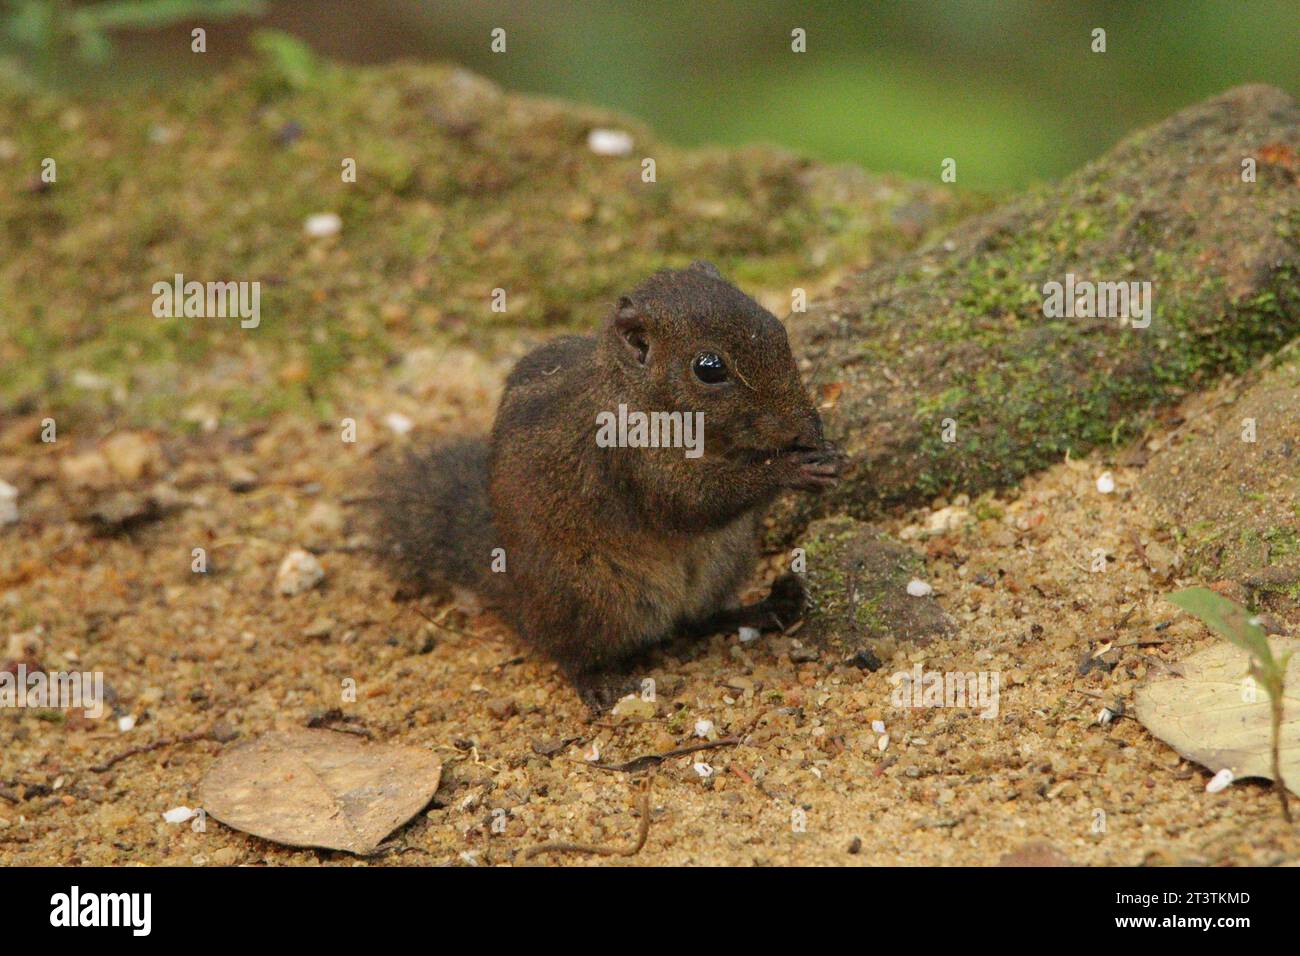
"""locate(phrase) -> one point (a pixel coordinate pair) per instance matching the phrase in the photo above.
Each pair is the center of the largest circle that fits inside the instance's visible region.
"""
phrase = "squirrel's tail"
(431, 519)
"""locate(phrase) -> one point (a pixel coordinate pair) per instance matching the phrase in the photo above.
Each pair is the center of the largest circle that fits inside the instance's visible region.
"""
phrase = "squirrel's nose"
(804, 432)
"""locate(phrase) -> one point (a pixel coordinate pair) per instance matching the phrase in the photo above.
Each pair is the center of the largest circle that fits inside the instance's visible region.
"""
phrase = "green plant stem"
(1276, 700)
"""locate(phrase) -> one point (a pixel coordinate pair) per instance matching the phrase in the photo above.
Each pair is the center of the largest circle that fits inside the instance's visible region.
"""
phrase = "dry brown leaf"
(831, 395)
(319, 788)
(1204, 717)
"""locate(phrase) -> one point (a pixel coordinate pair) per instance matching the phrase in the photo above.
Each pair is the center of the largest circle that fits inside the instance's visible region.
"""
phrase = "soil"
(810, 783)
(180, 434)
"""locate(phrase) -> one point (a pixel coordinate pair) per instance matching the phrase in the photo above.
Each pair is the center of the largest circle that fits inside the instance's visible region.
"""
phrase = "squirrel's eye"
(709, 368)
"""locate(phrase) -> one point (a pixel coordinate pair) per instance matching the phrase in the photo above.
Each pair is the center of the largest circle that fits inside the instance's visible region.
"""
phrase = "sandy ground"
(811, 782)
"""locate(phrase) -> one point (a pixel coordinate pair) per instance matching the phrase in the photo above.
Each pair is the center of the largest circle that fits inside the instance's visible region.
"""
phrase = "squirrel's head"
(689, 341)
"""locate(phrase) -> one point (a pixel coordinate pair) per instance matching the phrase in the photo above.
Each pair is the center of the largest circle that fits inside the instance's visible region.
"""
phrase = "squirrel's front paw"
(817, 469)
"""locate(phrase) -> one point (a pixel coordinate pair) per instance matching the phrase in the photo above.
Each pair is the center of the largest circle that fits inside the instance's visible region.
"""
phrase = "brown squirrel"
(595, 553)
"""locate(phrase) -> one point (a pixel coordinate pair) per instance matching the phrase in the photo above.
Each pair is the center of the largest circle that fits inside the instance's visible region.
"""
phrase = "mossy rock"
(460, 189)
(955, 334)
(858, 606)
(1229, 482)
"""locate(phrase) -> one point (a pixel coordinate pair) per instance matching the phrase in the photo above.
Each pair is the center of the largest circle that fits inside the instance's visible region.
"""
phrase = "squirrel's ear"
(708, 268)
(629, 323)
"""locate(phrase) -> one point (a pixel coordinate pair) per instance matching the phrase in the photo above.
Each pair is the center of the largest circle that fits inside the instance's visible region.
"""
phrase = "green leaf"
(1232, 621)
(289, 57)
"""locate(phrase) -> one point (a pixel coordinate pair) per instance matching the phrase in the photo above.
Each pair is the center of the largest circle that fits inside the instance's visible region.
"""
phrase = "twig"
(651, 760)
(165, 742)
(438, 624)
(643, 806)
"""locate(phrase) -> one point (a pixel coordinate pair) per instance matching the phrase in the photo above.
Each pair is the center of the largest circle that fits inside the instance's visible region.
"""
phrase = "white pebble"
(8, 504)
(125, 723)
(398, 423)
(609, 142)
(703, 728)
(883, 743)
(592, 754)
(299, 571)
(704, 770)
(748, 634)
(918, 588)
(322, 224)
(1105, 482)
(878, 726)
(179, 815)
(1220, 781)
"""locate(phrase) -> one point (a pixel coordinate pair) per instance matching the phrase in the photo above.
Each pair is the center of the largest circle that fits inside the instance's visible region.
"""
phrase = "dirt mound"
(1229, 480)
(444, 188)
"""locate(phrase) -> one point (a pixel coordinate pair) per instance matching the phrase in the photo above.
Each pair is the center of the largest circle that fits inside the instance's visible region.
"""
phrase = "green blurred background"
(1010, 88)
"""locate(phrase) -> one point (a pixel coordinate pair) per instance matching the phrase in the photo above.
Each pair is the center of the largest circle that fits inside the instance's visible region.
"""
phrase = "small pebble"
(1220, 781)
(918, 588)
(322, 224)
(398, 423)
(748, 634)
(609, 142)
(704, 770)
(878, 726)
(179, 815)
(126, 723)
(1106, 483)
(9, 505)
(703, 728)
(298, 572)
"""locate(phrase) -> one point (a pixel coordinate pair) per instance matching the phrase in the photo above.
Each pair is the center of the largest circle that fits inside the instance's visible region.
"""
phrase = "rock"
(8, 504)
(179, 815)
(320, 628)
(398, 423)
(634, 707)
(502, 708)
(1035, 853)
(324, 519)
(322, 224)
(609, 142)
(88, 469)
(946, 519)
(122, 511)
(858, 600)
(26, 644)
(133, 455)
(239, 477)
(226, 856)
(953, 377)
(299, 571)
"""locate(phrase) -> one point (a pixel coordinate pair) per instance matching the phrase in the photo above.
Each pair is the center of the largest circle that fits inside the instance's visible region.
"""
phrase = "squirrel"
(595, 553)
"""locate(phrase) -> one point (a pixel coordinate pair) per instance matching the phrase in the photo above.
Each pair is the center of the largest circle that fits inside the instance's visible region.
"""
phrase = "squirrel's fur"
(610, 550)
